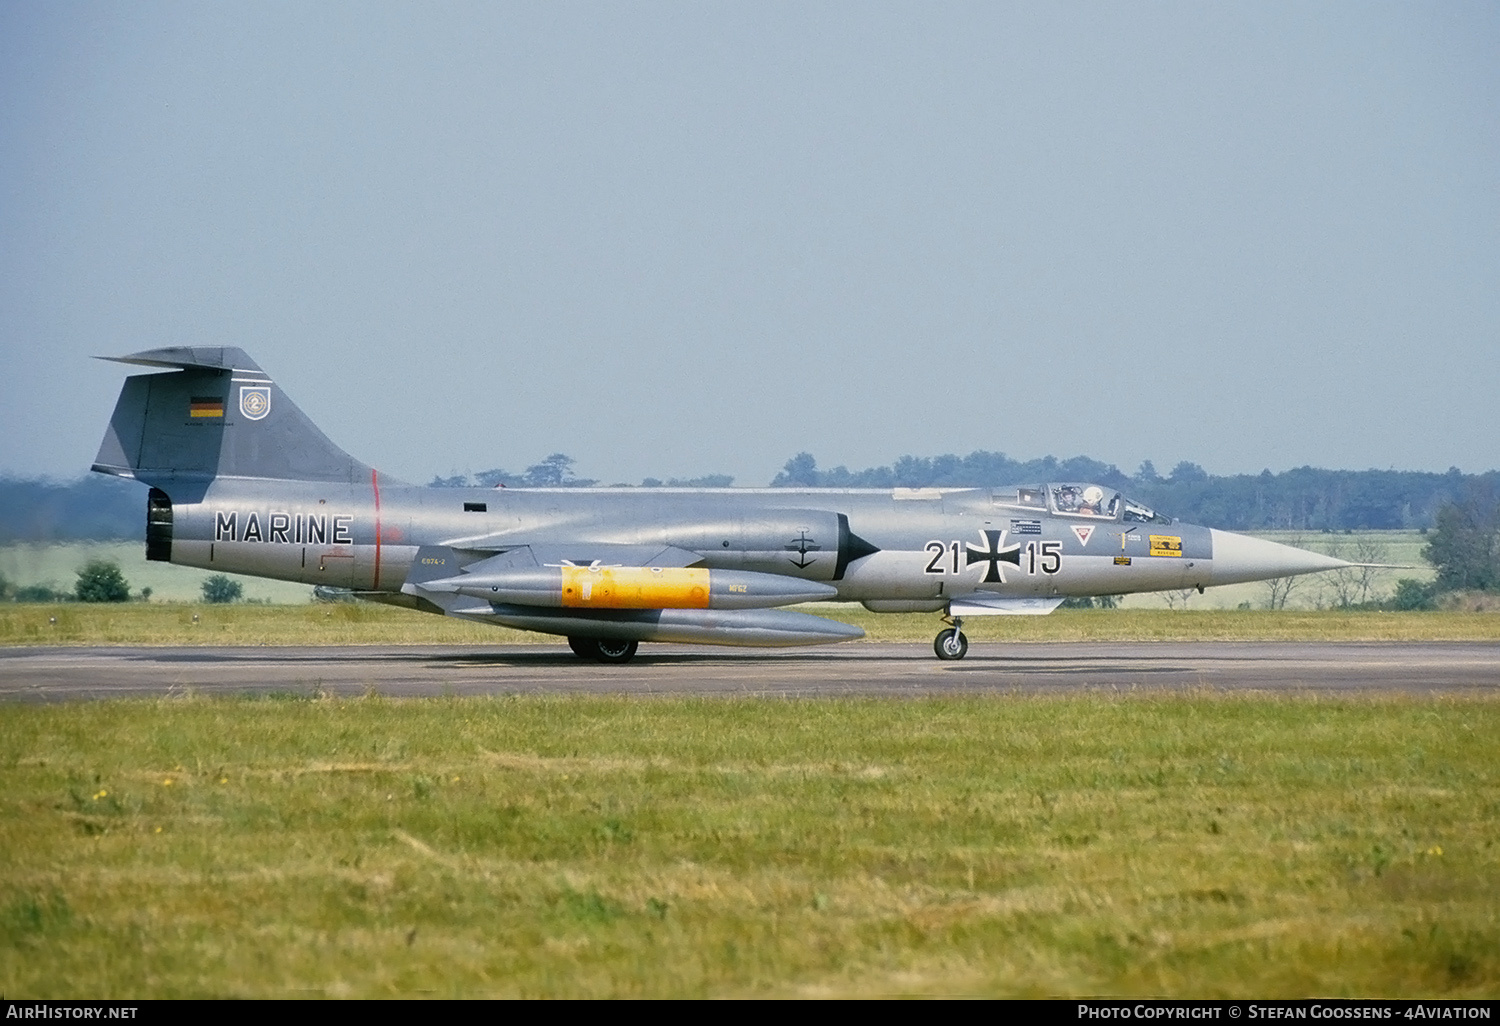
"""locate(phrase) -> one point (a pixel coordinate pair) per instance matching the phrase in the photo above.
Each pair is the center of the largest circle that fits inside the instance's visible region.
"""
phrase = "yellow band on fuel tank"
(634, 587)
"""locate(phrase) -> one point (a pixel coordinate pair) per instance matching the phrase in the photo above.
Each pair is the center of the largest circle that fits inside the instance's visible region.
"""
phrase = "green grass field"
(1204, 846)
(56, 566)
(367, 624)
(1137, 845)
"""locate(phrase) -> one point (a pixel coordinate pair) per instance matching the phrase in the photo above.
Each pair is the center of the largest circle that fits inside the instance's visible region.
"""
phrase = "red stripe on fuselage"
(375, 486)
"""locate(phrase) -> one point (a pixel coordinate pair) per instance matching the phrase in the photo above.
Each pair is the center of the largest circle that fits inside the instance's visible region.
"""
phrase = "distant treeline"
(1305, 499)
(92, 508)
(556, 471)
(553, 472)
(96, 508)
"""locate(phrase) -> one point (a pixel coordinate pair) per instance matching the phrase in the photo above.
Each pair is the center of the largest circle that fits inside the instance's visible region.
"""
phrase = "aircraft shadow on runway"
(978, 662)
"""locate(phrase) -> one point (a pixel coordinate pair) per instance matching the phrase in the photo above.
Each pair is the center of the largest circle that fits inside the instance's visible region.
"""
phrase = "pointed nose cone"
(1239, 558)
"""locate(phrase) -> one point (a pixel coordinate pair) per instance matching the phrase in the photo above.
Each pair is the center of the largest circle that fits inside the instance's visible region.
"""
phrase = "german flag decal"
(205, 406)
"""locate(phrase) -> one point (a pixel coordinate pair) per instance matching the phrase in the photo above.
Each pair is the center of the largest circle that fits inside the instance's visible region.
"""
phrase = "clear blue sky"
(676, 239)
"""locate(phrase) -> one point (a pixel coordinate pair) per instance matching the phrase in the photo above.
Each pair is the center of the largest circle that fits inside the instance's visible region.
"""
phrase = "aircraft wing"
(437, 561)
(624, 592)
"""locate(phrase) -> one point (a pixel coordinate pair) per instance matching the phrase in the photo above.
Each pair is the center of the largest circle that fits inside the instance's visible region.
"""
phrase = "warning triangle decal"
(1084, 534)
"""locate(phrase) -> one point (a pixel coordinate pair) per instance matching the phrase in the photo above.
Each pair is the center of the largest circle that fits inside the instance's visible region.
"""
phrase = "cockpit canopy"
(1073, 499)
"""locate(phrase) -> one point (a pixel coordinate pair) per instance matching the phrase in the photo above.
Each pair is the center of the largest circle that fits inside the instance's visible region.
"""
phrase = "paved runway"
(59, 674)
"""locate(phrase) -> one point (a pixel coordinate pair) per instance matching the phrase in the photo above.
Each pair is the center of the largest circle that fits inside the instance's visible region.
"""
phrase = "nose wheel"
(951, 643)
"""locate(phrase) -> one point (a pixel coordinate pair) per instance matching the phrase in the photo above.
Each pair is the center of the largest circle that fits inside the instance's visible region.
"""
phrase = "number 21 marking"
(938, 550)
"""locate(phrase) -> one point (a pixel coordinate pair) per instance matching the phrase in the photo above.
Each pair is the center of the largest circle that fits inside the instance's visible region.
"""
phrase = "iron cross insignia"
(994, 555)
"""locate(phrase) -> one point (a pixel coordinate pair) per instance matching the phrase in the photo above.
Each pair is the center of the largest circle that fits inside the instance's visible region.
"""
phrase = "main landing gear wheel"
(616, 651)
(584, 648)
(951, 644)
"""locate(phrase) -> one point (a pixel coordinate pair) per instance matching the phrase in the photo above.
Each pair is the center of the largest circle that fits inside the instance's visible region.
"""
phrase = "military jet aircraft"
(241, 481)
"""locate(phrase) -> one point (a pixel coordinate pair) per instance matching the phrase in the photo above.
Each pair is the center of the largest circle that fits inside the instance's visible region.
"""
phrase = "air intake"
(159, 526)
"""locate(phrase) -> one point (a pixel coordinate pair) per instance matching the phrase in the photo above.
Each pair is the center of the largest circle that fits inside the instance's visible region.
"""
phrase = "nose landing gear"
(951, 643)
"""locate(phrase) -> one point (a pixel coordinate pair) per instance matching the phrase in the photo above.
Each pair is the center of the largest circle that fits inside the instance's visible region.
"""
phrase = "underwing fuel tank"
(633, 587)
(753, 628)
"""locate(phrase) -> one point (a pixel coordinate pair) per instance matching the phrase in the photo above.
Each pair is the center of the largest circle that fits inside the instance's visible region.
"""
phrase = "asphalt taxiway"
(62, 674)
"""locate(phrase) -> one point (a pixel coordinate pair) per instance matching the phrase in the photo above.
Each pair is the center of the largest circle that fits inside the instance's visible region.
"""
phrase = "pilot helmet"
(1093, 495)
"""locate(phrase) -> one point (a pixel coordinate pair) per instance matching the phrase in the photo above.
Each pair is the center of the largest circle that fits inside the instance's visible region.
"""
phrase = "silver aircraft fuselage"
(242, 482)
(934, 545)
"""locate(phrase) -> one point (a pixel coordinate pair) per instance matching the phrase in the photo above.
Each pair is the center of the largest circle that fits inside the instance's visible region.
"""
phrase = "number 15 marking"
(1051, 553)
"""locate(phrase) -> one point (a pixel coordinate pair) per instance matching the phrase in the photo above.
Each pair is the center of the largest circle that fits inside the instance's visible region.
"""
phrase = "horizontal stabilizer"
(208, 357)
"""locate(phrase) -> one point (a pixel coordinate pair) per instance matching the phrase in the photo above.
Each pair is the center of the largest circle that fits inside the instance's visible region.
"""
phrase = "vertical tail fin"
(215, 414)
